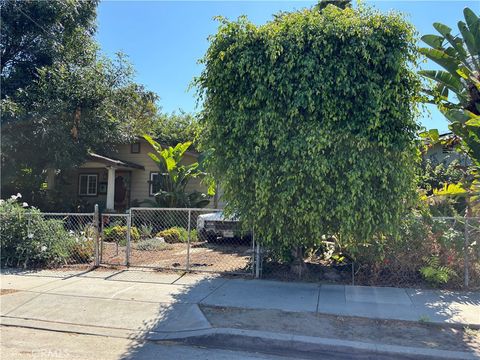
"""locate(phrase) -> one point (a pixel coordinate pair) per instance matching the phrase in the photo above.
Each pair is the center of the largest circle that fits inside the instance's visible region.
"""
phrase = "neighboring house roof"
(446, 134)
(114, 162)
(448, 138)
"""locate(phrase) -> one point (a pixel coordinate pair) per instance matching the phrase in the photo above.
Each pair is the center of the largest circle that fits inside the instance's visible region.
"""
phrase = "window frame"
(139, 148)
(88, 176)
(447, 149)
(150, 187)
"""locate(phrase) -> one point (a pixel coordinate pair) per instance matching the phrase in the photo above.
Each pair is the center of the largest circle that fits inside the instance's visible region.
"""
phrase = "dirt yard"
(204, 256)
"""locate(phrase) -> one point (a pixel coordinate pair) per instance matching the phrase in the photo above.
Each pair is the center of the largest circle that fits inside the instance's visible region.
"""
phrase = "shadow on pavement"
(156, 306)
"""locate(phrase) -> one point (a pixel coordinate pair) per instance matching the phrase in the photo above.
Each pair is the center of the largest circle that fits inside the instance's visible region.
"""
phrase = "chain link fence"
(437, 252)
(35, 239)
(177, 239)
(189, 239)
(427, 252)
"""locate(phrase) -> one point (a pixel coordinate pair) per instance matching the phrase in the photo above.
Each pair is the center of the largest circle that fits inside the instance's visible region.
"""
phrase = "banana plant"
(457, 87)
(469, 189)
(174, 177)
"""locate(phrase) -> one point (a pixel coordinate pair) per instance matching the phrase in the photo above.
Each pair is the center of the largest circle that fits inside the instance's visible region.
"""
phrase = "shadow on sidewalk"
(165, 305)
(184, 318)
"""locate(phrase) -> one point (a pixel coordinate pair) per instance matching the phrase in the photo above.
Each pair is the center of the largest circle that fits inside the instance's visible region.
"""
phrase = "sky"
(165, 39)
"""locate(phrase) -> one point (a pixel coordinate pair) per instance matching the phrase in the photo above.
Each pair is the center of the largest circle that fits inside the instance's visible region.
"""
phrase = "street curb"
(258, 341)
(279, 343)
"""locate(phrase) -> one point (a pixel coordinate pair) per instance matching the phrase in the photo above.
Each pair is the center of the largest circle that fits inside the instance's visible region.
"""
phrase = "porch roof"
(114, 162)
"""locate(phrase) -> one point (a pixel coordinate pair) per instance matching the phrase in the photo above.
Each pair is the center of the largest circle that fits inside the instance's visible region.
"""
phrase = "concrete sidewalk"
(157, 306)
(165, 289)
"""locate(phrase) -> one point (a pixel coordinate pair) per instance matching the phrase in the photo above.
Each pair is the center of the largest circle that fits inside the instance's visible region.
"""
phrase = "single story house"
(444, 153)
(123, 178)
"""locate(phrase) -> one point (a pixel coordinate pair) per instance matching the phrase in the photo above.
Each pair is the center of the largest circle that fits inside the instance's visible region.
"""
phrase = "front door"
(122, 190)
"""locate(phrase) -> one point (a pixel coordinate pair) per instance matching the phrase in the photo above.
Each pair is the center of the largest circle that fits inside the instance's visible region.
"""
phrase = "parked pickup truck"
(213, 226)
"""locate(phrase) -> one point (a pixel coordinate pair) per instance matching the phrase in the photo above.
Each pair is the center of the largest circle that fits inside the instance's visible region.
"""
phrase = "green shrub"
(424, 249)
(82, 251)
(118, 233)
(170, 236)
(29, 240)
(177, 235)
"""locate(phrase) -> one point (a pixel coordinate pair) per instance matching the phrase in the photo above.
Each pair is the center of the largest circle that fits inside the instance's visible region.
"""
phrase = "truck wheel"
(202, 235)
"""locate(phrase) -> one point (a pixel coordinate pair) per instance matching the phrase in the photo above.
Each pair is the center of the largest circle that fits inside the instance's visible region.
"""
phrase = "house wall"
(437, 155)
(140, 178)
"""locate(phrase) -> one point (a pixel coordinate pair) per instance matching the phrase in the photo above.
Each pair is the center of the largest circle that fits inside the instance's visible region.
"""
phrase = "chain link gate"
(114, 239)
(188, 239)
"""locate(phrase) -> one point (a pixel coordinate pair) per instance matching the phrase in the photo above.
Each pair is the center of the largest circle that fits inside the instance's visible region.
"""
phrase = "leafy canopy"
(35, 34)
(176, 127)
(312, 121)
(342, 4)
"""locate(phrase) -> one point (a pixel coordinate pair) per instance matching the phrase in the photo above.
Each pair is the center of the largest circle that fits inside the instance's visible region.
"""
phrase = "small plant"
(118, 233)
(424, 319)
(146, 231)
(435, 273)
(178, 235)
(152, 245)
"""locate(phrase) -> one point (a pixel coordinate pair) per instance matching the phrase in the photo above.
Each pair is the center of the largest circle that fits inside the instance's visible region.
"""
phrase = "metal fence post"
(466, 274)
(129, 231)
(97, 235)
(353, 273)
(101, 238)
(258, 263)
(253, 259)
(188, 242)
(257, 256)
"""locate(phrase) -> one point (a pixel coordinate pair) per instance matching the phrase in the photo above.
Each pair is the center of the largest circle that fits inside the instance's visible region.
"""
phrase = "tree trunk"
(298, 266)
(76, 123)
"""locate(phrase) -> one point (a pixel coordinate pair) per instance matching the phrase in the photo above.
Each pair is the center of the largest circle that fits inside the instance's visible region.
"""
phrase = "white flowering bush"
(29, 240)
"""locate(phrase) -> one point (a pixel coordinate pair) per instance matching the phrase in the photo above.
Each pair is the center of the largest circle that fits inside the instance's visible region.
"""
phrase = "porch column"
(111, 188)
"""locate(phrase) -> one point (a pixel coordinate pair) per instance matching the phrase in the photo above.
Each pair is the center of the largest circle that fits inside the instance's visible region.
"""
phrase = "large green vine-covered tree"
(312, 121)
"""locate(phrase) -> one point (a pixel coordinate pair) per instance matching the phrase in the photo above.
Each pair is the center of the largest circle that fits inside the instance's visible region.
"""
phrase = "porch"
(107, 181)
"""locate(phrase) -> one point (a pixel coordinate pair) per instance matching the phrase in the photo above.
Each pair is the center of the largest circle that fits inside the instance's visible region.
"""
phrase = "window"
(154, 183)
(446, 149)
(87, 184)
(135, 148)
